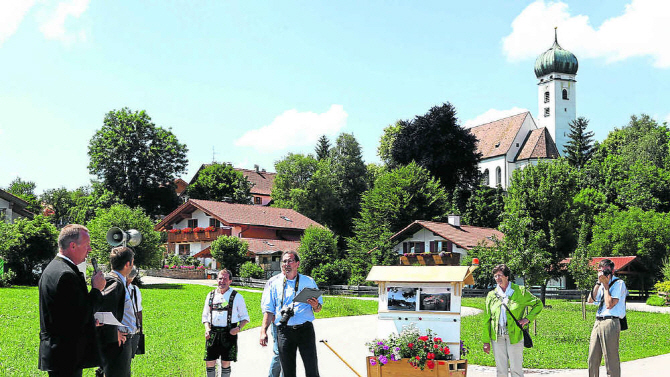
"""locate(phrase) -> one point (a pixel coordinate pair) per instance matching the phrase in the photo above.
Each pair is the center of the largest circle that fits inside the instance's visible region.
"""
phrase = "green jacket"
(520, 299)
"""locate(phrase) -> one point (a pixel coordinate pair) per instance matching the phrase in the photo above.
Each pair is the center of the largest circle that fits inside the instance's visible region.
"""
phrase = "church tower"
(556, 70)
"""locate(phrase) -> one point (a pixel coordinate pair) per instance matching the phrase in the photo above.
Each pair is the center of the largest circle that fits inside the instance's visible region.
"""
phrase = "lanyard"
(283, 290)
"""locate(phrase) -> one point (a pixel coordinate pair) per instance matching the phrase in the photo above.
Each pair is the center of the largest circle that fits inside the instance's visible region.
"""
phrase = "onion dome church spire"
(556, 60)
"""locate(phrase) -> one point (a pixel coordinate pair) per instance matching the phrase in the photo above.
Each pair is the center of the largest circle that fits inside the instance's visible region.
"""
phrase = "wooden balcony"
(197, 237)
(431, 259)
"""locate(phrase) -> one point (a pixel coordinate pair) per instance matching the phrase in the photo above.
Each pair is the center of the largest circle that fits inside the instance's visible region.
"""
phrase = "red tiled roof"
(240, 214)
(262, 181)
(204, 253)
(465, 236)
(495, 138)
(538, 144)
(619, 262)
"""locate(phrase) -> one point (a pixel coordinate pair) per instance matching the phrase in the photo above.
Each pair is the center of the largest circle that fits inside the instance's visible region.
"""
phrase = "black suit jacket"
(113, 300)
(67, 327)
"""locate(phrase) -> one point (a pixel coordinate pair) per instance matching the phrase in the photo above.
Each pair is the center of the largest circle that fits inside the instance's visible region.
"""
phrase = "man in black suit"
(116, 341)
(67, 327)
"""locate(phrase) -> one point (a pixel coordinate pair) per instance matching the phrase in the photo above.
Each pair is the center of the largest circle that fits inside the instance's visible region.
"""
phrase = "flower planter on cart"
(402, 368)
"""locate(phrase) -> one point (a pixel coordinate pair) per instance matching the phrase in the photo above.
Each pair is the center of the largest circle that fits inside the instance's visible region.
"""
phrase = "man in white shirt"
(609, 294)
(224, 316)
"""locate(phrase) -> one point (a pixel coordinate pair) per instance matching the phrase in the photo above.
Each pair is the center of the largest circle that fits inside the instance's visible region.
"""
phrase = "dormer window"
(546, 97)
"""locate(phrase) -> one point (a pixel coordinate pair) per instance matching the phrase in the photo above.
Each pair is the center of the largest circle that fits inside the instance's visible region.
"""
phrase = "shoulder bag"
(527, 341)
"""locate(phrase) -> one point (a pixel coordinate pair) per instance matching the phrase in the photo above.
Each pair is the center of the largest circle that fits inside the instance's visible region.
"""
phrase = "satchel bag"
(140, 344)
(527, 340)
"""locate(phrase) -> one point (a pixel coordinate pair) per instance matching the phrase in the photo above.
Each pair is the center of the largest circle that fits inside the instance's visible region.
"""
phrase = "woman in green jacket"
(499, 327)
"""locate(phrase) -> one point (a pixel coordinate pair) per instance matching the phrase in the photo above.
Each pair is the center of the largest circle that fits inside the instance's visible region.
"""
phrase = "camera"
(607, 273)
(286, 314)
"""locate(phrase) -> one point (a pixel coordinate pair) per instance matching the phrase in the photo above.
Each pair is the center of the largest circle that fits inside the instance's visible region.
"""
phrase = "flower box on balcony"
(402, 368)
(430, 259)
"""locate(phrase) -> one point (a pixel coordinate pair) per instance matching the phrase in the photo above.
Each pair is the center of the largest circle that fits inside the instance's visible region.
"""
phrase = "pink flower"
(373, 361)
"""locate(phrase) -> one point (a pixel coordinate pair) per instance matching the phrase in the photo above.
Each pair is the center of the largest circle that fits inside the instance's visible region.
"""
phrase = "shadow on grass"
(162, 286)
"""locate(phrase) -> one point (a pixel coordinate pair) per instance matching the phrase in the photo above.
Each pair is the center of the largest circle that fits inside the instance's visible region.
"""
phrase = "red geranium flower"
(430, 364)
(417, 357)
(436, 346)
(424, 338)
(446, 350)
(430, 356)
(437, 340)
(410, 345)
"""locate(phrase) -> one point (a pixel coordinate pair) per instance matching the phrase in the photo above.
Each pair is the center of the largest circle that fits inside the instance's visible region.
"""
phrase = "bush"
(663, 286)
(656, 301)
(230, 251)
(27, 246)
(333, 273)
(251, 270)
(6, 278)
(665, 270)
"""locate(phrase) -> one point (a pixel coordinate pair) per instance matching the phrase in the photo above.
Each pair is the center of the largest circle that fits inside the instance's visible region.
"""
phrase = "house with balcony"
(436, 243)
(12, 207)
(268, 231)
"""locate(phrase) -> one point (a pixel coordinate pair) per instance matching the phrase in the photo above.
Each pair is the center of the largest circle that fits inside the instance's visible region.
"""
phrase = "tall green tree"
(322, 149)
(220, 182)
(580, 266)
(59, 202)
(539, 222)
(390, 133)
(27, 246)
(436, 142)
(398, 198)
(350, 182)
(26, 191)
(137, 160)
(231, 252)
(87, 200)
(147, 254)
(579, 148)
(485, 207)
(318, 246)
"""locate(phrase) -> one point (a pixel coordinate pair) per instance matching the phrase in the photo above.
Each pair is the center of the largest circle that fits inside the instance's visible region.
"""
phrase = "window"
(215, 223)
(517, 145)
(185, 249)
(193, 223)
(546, 112)
(565, 94)
(438, 246)
(258, 200)
(412, 247)
(485, 177)
(546, 97)
(498, 176)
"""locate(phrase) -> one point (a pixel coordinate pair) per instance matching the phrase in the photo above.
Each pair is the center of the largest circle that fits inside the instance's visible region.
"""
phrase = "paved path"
(348, 335)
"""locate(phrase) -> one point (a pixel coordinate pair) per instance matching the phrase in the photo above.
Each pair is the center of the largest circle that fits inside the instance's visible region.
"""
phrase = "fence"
(349, 290)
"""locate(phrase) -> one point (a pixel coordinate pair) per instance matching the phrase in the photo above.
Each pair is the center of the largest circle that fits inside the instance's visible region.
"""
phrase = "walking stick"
(336, 354)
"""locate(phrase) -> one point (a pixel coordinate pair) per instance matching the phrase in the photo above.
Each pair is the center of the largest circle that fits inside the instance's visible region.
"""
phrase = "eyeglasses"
(288, 261)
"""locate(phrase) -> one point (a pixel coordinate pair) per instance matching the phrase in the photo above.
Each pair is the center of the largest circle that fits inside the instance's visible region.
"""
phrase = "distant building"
(514, 142)
(260, 180)
(268, 231)
(12, 207)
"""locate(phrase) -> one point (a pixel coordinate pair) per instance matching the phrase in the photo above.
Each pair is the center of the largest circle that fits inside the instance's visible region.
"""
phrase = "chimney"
(454, 220)
(256, 167)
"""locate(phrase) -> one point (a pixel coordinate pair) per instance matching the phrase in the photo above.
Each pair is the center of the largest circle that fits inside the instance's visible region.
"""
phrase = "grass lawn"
(172, 314)
(175, 334)
(562, 339)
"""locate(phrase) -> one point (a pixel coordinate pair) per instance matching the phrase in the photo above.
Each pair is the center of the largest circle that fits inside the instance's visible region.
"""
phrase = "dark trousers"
(293, 338)
(116, 360)
(76, 373)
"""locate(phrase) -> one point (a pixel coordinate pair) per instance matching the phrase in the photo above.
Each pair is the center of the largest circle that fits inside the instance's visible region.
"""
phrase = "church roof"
(495, 138)
(538, 144)
(556, 59)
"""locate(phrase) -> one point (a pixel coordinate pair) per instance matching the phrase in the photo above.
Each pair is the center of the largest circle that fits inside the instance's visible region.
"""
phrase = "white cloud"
(52, 23)
(12, 13)
(643, 29)
(491, 115)
(294, 129)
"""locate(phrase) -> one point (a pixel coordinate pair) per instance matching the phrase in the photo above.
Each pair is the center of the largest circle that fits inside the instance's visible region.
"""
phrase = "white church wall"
(492, 164)
(560, 111)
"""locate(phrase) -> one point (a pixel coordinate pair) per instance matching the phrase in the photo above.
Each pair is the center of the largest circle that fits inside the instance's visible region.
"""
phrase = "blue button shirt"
(270, 302)
(617, 290)
(129, 320)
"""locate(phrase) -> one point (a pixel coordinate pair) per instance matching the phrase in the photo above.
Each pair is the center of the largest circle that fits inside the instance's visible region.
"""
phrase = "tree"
(220, 182)
(489, 257)
(336, 272)
(305, 185)
(137, 160)
(485, 207)
(26, 191)
(350, 181)
(322, 149)
(251, 270)
(230, 251)
(58, 202)
(579, 267)
(539, 222)
(436, 142)
(27, 246)
(87, 200)
(398, 198)
(147, 254)
(579, 149)
(384, 151)
(318, 246)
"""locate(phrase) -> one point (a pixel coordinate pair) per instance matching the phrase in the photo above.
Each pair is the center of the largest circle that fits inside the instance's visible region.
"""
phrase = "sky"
(247, 82)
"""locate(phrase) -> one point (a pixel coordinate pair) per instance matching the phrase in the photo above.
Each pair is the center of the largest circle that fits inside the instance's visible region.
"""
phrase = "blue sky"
(247, 82)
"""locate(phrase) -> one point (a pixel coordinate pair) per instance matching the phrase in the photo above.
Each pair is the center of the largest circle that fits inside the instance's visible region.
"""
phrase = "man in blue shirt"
(609, 294)
(275, 364)
(298, 331)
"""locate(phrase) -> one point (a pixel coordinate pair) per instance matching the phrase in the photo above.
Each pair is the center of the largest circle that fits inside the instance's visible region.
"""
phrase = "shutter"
(432, 246)
(420, 247)
(450, 247)
(404, 247)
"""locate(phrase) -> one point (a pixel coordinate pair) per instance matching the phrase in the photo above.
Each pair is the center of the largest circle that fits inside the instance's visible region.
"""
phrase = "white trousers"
(507, 354)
